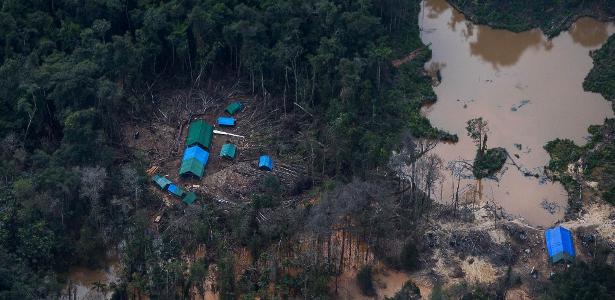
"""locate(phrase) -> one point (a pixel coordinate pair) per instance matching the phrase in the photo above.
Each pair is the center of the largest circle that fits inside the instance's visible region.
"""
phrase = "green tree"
(477, 130)
(365, 279)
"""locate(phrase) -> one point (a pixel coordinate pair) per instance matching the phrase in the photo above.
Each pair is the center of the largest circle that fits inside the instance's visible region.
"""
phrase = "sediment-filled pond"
(87, 283)
(530, 91)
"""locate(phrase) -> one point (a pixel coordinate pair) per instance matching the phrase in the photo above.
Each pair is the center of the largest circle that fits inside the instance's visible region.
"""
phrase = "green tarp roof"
(200, 133)
(228, 151)
(233, 108)
(189, 198)
(192, 166)
(161, 181)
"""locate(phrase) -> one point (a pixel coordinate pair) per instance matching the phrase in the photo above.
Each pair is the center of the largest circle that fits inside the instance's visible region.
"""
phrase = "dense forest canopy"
(551, 16)
(71, 72)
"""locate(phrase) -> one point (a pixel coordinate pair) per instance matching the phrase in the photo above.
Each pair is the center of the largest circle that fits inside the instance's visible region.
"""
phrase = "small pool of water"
(84, 283)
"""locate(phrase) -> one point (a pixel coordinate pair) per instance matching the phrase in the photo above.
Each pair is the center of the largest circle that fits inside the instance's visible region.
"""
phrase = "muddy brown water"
(527, 87)
(83, 281)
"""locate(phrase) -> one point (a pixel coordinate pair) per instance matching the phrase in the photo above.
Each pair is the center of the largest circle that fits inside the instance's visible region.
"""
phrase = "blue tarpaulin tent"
(196, 152)
(176, 191)
(226, 121)
(559, 244)
(265, 163)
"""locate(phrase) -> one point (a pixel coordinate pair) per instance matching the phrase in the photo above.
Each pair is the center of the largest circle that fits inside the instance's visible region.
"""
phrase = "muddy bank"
(482, 247)
(86, 283)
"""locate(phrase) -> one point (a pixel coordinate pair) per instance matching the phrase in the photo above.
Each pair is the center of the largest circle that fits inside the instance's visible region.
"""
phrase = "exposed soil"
(161, 141)
(480, 246)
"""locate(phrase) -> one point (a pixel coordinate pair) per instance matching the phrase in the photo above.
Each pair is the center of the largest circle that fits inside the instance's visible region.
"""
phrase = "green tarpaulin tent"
(193, 167)
(200, 133)
(162, 182)
(233, 108)
(228, 151)
(189, 198)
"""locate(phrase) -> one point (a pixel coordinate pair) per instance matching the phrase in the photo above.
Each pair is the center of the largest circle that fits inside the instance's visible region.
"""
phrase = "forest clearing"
(314, 149)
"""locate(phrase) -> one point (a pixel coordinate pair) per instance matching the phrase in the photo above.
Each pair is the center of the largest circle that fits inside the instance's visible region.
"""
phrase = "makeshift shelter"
(228, 151)
(233, 108)
(189, 198)
(176, 191)
(559, 244)
(226, 121)
(192, 166)
(265, 163)
(161, 181)
(200, 133)
(196, 152)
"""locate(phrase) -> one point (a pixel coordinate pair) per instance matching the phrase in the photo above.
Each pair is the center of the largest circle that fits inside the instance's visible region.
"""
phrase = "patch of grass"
(488, 163)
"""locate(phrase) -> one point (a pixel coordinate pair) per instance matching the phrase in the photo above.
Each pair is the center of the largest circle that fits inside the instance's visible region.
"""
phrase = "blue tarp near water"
(559, 244)
(226, 121)
(265, 163)
(196, 152)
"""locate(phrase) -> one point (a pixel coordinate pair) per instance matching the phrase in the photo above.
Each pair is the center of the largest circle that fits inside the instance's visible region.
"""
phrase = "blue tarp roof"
(196, 152)
(175, 190)
(559, 244)
(226, 121)
(265, 163)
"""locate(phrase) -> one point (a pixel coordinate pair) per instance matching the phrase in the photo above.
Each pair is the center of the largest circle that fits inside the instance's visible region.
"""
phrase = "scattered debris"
(151, 171)
(550, 207)
(517, 107)
(592, 184)
(534, 273)
(231, 134)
